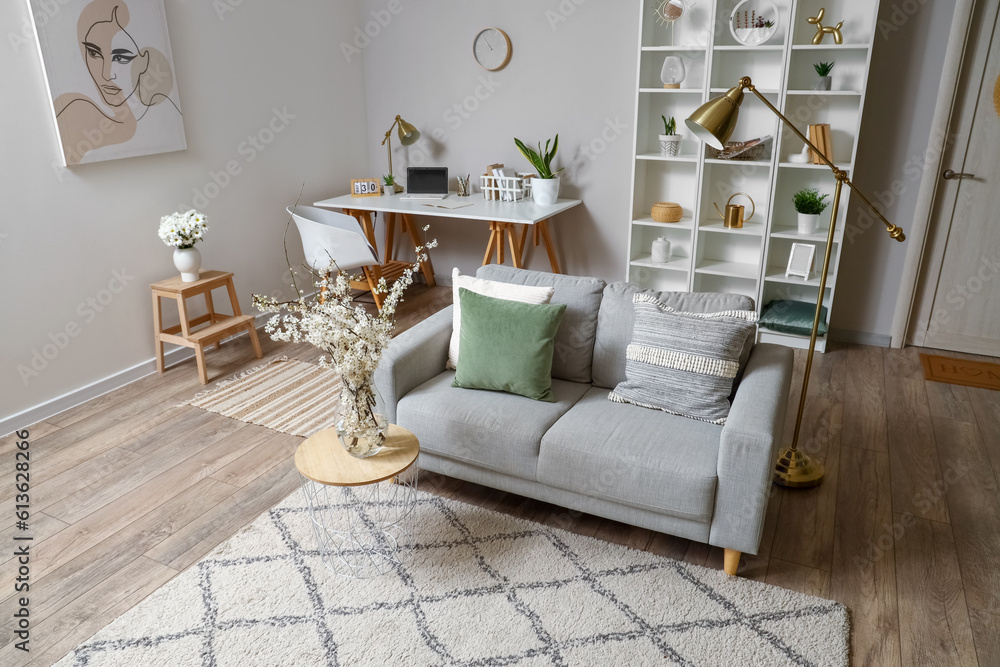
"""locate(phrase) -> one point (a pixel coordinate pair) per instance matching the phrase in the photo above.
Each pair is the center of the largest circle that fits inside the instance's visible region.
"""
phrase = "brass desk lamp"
(408, 135)
(713, 123)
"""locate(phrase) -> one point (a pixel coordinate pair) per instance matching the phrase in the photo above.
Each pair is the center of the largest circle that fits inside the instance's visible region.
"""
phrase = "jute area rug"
(285, 395)
(480, 588)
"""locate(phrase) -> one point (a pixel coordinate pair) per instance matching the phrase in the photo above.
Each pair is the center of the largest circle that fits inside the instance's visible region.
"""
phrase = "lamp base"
(796, 470)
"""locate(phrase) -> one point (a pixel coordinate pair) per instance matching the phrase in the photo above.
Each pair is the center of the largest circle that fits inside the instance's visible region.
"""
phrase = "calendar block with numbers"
(365, 187)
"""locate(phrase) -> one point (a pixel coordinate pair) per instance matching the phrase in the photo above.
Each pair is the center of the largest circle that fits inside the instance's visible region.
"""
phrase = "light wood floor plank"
(277, 449)
(986, 629)
(916, 472)
(974, 499)
(184, 547)
(986, 406)
(933, 618)
(807, 580)
(807, 516)
(863, 575)
(865, 423)
(55, 487)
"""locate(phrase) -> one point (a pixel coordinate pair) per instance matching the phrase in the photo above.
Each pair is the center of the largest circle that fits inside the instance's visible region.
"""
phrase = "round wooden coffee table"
(361, 510)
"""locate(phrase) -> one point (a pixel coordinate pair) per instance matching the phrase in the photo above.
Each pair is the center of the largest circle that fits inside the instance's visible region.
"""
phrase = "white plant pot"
(188, 261)
(823, 83)
(388, 190)
(670, 144)
(808, 223)
(545, 191)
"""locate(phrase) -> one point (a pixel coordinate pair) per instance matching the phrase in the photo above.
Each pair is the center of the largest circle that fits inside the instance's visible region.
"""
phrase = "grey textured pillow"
(683, 363)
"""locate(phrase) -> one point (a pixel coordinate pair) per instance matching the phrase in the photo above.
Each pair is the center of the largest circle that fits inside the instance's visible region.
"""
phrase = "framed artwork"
(800, 260)
(110, 76)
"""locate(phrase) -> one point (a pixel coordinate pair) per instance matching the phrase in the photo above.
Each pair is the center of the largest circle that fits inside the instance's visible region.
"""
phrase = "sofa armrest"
(412, 358)
(748, 447)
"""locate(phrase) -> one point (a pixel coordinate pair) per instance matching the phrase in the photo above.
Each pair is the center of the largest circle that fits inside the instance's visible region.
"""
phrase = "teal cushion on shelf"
(792, 317)
(507, 345)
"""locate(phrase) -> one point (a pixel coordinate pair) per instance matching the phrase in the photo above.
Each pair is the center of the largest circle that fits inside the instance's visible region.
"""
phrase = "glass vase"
(360, 429)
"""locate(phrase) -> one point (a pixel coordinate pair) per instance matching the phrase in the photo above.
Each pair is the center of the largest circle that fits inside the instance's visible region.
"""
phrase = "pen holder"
(464, 187)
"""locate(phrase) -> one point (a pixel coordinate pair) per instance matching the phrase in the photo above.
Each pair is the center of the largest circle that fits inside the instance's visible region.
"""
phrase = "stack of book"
(819, 135)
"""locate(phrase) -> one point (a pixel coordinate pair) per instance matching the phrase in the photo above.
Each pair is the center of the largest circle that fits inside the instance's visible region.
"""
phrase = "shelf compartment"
(659, 181)
(668, 158)
(791, 232)
(716, 226)
(779, 277)
(675, 263)
(656, 279)
(707, 282)
(763, 67)
(718, 267)
(650, 125)
(848, 72)
(765, 335)
(685, 223)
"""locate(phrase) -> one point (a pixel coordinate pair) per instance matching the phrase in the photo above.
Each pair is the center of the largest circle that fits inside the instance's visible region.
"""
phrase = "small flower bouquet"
(353, 337)
(183, 230)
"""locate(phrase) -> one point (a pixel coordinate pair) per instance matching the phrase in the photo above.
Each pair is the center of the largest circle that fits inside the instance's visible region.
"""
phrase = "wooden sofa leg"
(731, 561)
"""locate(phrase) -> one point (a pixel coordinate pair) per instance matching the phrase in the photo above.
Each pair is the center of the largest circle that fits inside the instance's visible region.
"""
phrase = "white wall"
(910, 43)
(572, 73)
(63, 233)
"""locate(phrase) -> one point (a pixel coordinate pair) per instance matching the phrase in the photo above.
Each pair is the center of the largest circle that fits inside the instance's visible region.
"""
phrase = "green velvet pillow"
(792, 317)
(507, 345)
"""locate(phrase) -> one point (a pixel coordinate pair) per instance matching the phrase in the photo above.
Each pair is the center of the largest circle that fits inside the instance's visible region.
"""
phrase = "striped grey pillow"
(683, 363)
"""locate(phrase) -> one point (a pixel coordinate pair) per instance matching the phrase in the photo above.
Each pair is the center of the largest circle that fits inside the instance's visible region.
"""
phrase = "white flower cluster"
(183, 230)
(354, 338)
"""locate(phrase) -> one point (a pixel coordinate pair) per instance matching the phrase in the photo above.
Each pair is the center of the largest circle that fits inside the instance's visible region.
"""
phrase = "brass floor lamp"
(713, 123)
(408, 136)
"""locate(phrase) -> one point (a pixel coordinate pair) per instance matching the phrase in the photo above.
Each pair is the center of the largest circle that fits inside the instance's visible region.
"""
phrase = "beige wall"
(65, 233)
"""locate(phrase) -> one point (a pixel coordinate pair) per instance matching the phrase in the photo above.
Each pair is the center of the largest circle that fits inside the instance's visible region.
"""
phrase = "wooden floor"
(130, 488)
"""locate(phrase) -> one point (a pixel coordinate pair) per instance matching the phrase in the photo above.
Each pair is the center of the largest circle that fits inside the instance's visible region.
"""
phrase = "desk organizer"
(506, 188)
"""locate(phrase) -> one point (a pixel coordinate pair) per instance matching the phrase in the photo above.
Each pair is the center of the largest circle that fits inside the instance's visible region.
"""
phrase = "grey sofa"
(644, 467)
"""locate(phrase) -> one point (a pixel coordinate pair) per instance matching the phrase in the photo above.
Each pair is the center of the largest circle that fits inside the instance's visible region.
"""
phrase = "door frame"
(928, 201)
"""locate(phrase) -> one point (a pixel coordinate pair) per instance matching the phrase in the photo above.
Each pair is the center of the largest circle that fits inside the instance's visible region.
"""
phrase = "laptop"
(426, 183)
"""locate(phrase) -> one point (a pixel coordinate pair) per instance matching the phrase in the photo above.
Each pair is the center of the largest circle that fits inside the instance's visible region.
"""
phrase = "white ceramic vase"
(187, 261)
(545, 191)
(808, 223)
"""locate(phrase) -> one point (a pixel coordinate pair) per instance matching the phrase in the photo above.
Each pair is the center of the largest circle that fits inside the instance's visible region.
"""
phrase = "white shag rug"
(481, 588)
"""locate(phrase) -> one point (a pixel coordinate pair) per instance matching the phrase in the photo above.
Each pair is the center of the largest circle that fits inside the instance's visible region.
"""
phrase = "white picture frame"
(110, 76)
(800, 260)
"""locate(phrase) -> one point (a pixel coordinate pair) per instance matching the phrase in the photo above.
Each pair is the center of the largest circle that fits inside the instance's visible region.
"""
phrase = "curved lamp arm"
(895, 231)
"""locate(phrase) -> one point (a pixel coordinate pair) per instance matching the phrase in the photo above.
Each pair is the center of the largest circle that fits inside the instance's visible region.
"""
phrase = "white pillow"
(506, 291)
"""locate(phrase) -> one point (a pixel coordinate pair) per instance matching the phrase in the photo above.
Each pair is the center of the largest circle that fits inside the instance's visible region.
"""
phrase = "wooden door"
(958, 304)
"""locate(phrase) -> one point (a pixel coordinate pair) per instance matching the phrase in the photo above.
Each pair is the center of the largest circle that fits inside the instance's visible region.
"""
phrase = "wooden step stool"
(219, 327)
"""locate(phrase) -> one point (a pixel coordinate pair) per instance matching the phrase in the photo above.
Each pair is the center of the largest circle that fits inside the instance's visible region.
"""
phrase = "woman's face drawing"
(109, 52)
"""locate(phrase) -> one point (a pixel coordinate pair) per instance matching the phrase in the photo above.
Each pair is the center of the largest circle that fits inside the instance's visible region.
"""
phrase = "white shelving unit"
(707, 257)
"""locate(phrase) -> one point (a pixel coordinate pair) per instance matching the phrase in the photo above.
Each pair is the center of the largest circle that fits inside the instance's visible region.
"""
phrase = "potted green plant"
(670, 141)
(824, 81)
(545, 185)
(809, 203)
(388, 185)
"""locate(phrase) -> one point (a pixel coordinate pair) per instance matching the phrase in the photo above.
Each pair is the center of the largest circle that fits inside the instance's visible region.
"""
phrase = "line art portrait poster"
(110, 76)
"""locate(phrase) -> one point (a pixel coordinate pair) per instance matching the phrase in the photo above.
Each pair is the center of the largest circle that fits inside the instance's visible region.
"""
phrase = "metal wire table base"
(363, 531)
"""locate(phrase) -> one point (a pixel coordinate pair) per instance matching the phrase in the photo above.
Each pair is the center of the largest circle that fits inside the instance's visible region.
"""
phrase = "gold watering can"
(733, 217)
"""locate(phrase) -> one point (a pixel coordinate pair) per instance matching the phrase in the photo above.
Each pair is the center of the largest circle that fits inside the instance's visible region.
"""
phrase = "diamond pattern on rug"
(480, 588)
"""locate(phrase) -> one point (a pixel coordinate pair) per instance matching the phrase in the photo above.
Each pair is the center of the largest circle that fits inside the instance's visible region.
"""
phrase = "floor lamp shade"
(714, 121)
(408, 134)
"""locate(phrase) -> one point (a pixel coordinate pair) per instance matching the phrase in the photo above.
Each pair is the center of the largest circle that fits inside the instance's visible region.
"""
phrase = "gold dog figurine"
(822, 31)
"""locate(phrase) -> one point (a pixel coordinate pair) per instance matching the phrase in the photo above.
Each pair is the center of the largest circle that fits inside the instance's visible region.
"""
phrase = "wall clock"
(492, 49)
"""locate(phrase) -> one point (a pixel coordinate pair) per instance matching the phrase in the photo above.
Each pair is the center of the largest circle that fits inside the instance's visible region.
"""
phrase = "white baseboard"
(91, 391)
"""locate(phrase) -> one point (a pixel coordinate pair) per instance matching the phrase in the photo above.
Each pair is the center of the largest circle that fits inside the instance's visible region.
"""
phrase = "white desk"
(501, 215)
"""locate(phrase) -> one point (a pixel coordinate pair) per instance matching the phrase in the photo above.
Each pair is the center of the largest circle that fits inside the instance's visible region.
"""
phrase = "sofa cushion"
(614, 324)
(683, 363)
(500, 432)
(574, 349)
(644, 458)
(507, 345)
(500, 290)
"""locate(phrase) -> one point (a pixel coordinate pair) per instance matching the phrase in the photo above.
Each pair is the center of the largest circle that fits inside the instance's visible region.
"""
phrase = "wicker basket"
(667, 211)
(754, 149)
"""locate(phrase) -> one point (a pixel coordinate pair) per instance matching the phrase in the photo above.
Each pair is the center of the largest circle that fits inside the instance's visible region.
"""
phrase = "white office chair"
(328, 235)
